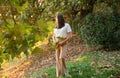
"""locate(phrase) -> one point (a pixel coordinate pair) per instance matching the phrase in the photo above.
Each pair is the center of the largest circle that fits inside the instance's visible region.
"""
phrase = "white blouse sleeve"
(69, 28)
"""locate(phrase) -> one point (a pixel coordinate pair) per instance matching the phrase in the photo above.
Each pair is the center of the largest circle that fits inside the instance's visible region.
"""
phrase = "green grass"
(91, 65)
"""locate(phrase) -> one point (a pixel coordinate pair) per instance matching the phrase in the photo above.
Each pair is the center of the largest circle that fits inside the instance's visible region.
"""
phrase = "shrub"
(101, 31)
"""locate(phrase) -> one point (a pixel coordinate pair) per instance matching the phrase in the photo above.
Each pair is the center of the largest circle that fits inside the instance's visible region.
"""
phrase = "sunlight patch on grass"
(81, 58)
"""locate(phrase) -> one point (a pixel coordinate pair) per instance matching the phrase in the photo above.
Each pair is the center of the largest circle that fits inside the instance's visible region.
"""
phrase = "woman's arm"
(65, 40)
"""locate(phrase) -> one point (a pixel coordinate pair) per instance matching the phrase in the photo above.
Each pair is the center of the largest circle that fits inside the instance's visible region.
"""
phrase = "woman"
(62, 33)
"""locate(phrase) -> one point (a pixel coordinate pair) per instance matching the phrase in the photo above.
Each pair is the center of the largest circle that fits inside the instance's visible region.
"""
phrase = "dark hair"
(61, 21)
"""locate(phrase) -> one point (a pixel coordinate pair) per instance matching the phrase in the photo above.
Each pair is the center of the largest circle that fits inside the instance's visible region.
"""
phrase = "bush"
(101, 31)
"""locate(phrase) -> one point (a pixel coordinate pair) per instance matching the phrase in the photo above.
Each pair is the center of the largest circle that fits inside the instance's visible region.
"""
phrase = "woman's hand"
(61, 43)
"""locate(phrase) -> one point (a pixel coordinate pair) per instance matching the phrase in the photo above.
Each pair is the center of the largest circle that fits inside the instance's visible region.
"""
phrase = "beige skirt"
(61, 51)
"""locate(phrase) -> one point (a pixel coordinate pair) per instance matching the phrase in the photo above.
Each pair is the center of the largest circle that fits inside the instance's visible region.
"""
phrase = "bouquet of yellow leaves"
(56, 40)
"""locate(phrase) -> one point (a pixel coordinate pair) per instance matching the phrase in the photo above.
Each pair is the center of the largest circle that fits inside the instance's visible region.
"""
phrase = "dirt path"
(47, 59)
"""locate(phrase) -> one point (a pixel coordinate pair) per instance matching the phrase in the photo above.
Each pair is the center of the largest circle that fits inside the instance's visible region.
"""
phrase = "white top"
(62, 32)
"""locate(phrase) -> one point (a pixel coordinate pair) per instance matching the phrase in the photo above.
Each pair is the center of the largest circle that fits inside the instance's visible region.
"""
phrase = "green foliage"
(99, 30)
(23, 25)
(21, 38)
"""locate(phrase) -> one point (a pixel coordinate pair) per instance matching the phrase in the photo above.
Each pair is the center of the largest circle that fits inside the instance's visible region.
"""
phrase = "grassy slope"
(90, 65)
